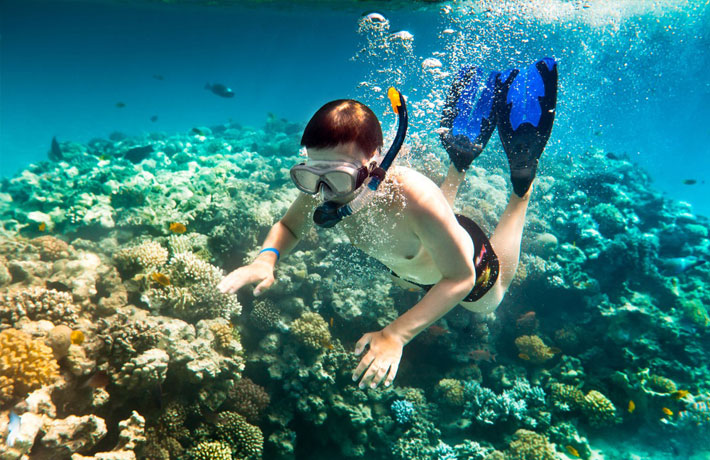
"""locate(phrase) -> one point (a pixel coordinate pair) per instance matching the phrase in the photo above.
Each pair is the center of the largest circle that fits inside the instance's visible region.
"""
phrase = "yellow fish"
(572, 450)
(554, 350)
(77, 337)
(680, 394)
(667, 411)
(331, 321)
(632, 407)
(524, 356)
(42, 227)
(177, 227)
(161, 279)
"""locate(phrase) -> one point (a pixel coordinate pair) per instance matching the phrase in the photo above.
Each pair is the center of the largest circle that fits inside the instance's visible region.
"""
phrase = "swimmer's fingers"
(232, 282)
(264, 285)
(362, 343)
(392, 373)
(380, 373)
(364, 364)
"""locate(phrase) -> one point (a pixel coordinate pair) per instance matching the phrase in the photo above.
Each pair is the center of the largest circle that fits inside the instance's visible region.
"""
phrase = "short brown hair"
(342, 121)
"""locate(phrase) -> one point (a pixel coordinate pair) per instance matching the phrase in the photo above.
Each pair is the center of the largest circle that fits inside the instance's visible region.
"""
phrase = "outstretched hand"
(257, 272)
(381, 361)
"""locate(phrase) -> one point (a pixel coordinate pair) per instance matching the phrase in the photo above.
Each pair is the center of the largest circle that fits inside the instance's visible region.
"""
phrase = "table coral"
(25, 364)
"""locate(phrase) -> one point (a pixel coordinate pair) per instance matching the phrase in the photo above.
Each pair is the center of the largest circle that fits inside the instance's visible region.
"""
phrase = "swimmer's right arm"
(283, 237)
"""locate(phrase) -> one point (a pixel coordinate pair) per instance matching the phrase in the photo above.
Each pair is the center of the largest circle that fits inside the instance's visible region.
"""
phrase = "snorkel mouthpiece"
(328, 214)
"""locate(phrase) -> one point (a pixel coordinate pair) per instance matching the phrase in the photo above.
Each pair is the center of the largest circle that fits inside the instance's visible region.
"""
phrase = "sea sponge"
(534, 348)
(311, 331)
(451, 391)
(211, 450)
(50, 248)
(37, 304)
(528, 445)
(25, 364)
(249, 399)
(599, 410)
(246, 440)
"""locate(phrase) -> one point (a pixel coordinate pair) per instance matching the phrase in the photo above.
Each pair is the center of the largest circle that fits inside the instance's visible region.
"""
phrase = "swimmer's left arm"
(452, 252)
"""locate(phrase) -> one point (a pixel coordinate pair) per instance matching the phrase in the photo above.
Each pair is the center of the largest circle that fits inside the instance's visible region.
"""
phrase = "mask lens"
(305, 180)
(340, 182)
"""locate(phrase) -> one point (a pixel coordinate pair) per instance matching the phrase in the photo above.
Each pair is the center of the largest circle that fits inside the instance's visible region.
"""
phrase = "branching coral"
(191, 292)
(533, 348)
(38, 304)
(311, 331)
(521, 403)
(25, 364)
(246, 440)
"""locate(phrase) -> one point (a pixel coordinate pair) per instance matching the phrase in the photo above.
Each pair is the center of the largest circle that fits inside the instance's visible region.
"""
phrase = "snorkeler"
(401, 217)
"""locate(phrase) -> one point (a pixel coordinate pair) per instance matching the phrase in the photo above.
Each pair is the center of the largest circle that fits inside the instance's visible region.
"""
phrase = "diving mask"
(332, 178)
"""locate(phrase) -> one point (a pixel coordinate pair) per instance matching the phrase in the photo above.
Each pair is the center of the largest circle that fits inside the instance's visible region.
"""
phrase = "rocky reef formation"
(116, 344)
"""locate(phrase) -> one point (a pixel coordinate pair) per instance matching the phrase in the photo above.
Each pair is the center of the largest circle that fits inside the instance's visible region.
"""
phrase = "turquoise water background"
(633, 74)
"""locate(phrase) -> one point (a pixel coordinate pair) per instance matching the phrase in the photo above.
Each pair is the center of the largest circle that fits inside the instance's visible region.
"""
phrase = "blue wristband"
(274, 250)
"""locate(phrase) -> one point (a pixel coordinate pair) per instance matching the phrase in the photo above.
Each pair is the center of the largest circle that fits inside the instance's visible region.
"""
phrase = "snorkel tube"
(328, 214)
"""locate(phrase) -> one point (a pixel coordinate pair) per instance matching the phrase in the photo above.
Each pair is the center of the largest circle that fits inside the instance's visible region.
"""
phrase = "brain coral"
(311, 331)
(38, 304)
(534, 348)
(25, 364)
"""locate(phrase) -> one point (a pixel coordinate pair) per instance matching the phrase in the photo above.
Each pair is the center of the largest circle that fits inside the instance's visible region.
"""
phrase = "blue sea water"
(633, 74)
(633, 84)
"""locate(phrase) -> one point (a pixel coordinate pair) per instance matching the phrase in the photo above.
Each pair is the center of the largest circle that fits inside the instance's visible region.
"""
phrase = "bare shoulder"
(418, 190)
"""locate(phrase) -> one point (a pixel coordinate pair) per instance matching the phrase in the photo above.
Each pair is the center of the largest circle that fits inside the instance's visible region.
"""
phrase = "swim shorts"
(485, 261)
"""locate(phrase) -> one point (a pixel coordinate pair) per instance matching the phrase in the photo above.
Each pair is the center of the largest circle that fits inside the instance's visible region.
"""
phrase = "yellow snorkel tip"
(393, 94)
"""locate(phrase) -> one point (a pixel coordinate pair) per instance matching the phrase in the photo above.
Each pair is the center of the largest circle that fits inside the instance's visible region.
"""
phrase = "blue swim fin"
(525, 116)
(469, 115)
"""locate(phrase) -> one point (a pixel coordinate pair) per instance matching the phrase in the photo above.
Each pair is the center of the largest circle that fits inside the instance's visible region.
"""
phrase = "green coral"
(245, 439)
(311, 331)
(695, 311)
(211, 450)
(528, 445)
(566, 397)
(610, 219)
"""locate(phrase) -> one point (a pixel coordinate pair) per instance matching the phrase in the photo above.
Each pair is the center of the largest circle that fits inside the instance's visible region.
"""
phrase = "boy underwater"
(408, 223)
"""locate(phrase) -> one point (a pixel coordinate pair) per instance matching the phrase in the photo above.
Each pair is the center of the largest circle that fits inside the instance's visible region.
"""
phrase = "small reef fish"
(154, 118)
(138, 154)
(482, 355)
(554, 350)
(120, 104)
(13, 429)
(612, 156)
(436, 330)
(678, 265)
(55, 151)
(99, 380)
(680, 394)
(667, 411)
(689, 181)
(632, 407)
(77, 337)
(331, 321)
(572, 450)
(220, 90)
(160, 278)
(524, 356)
(177, 227)
(158, 77)
(42, 227)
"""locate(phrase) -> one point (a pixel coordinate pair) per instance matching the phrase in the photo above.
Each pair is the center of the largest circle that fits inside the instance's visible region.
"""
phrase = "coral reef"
(311, 331)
